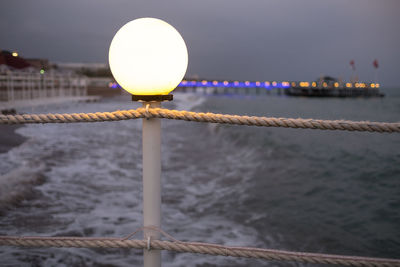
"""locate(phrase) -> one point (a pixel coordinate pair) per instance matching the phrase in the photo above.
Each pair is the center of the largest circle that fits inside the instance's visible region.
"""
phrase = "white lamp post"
(148, 58)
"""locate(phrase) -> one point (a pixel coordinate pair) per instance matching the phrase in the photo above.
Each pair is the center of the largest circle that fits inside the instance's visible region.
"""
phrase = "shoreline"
(9, 138)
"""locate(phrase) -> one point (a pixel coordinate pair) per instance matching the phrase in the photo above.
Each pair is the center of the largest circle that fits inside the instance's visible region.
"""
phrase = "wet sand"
(9, 138)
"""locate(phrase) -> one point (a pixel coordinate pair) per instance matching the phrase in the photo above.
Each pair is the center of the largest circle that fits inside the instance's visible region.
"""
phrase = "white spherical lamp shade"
(148, 57)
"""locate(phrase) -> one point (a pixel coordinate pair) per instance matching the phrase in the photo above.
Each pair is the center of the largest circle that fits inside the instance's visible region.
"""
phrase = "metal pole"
(151, 137)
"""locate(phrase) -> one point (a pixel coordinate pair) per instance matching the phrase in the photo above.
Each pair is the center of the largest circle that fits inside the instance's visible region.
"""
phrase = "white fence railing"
(16, 85)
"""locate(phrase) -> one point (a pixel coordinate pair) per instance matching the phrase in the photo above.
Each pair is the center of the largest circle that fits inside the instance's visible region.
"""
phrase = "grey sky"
(226, 39)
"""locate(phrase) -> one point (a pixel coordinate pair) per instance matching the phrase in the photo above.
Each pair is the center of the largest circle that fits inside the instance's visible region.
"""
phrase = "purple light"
(238, 84)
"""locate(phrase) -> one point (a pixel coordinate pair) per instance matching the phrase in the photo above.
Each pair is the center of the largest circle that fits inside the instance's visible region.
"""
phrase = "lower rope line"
(343, 125)
(195, 247)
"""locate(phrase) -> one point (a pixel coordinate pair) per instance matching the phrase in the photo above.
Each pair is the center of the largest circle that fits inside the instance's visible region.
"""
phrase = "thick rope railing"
(343, 125)
(195, 247)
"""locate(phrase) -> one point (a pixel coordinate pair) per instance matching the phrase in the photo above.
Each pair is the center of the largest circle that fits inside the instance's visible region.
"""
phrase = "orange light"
(314, 84)
(293, 84)
(348, 85)
(372, 85)
(204, 82)
(304, 84)
(258, 83)
(226, 82)
(324, 84)
(336, 84)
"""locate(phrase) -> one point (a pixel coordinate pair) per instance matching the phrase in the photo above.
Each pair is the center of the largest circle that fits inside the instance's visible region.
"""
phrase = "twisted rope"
(201, 248)
(343, 125)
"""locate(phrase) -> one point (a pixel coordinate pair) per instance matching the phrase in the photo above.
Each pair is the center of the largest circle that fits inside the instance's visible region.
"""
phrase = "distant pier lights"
(302, 88)
(225, 86)
(315, 88)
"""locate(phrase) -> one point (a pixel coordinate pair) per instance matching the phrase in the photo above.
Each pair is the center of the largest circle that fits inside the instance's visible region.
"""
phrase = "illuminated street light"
(148, 58)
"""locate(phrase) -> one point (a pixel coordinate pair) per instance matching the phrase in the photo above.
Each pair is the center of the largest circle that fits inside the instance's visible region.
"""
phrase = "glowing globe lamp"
(148, 57)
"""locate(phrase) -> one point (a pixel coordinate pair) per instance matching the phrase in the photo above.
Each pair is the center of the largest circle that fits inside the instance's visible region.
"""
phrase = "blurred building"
(22, 79)
(12, 60)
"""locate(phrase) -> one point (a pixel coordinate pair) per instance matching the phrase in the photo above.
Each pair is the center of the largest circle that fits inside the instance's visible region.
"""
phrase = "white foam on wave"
(188, 101)
(202, 172)
(94, 185)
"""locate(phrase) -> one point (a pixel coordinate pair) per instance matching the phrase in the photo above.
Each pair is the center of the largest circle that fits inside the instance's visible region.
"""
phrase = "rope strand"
(195, 247)
(342, 125)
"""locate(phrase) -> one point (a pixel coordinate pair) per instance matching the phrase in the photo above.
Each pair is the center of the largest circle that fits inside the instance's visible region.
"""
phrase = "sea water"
(291, 189)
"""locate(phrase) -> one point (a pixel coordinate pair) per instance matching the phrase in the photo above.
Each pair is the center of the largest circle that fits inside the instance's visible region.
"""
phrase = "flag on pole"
(375, 63)
(352, 64)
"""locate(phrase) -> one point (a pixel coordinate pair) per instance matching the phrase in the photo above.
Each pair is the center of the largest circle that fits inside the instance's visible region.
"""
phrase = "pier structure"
(233, 87)
(227, 87)
(333, 88)
(293, 88)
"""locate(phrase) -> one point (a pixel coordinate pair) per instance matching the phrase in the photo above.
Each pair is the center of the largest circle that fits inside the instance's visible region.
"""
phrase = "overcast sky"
(226, 39)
